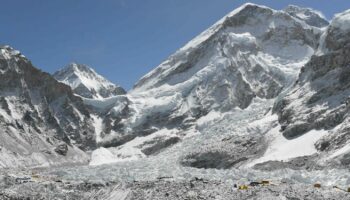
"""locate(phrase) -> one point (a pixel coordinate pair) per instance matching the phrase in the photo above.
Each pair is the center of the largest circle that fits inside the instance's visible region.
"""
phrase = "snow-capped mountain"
(42, 122)
(252, 53)
(86, 82)
(221, 87)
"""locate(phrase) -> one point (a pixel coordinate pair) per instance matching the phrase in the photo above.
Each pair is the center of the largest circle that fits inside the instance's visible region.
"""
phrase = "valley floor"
(166, 189)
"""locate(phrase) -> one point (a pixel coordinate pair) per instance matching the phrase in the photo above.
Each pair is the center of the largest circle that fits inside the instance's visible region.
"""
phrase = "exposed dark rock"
(296, 130)
(218, 160)
(62, 149)
(345, 160)
(299, 163)
(158, 144)
(225, 154)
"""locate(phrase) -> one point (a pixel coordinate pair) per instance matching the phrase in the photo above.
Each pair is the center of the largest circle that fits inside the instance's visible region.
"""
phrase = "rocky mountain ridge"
(320, 98)
(42, 121)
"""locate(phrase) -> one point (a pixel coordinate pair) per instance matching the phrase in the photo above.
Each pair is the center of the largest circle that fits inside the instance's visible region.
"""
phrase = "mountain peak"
(7, 52)
(310, 16)
(247, 8)
(86, 82)
(247, 24)
(78, 68)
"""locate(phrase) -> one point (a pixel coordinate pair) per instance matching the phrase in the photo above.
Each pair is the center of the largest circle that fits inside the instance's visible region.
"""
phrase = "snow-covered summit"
(6, 52)
(310, 16)
(86, 82)
(244, 9)
(250, 21)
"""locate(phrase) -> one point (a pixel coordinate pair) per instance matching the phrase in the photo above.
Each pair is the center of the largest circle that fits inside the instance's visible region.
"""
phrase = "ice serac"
(42, 122)
(86, 82)
(252, 53)
(310, 16)
(320, 98)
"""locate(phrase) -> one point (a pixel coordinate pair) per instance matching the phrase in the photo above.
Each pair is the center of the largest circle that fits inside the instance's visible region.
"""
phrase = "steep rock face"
(253, 52)
(37, 114)
(86, 82)
(320, 98)
(310, 16)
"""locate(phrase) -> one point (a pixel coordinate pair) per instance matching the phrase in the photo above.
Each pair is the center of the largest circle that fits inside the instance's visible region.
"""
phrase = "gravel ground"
(166, 189)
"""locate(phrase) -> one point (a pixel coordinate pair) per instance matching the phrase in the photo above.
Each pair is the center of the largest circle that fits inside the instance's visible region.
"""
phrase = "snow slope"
(282, 149)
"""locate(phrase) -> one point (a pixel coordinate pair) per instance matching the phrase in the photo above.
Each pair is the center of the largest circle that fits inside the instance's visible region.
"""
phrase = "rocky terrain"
(168, 189)
(320, 97)
(263, 94)
(41, 124)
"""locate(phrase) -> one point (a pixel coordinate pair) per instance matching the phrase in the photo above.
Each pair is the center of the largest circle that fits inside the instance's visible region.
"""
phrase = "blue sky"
(120, 39)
